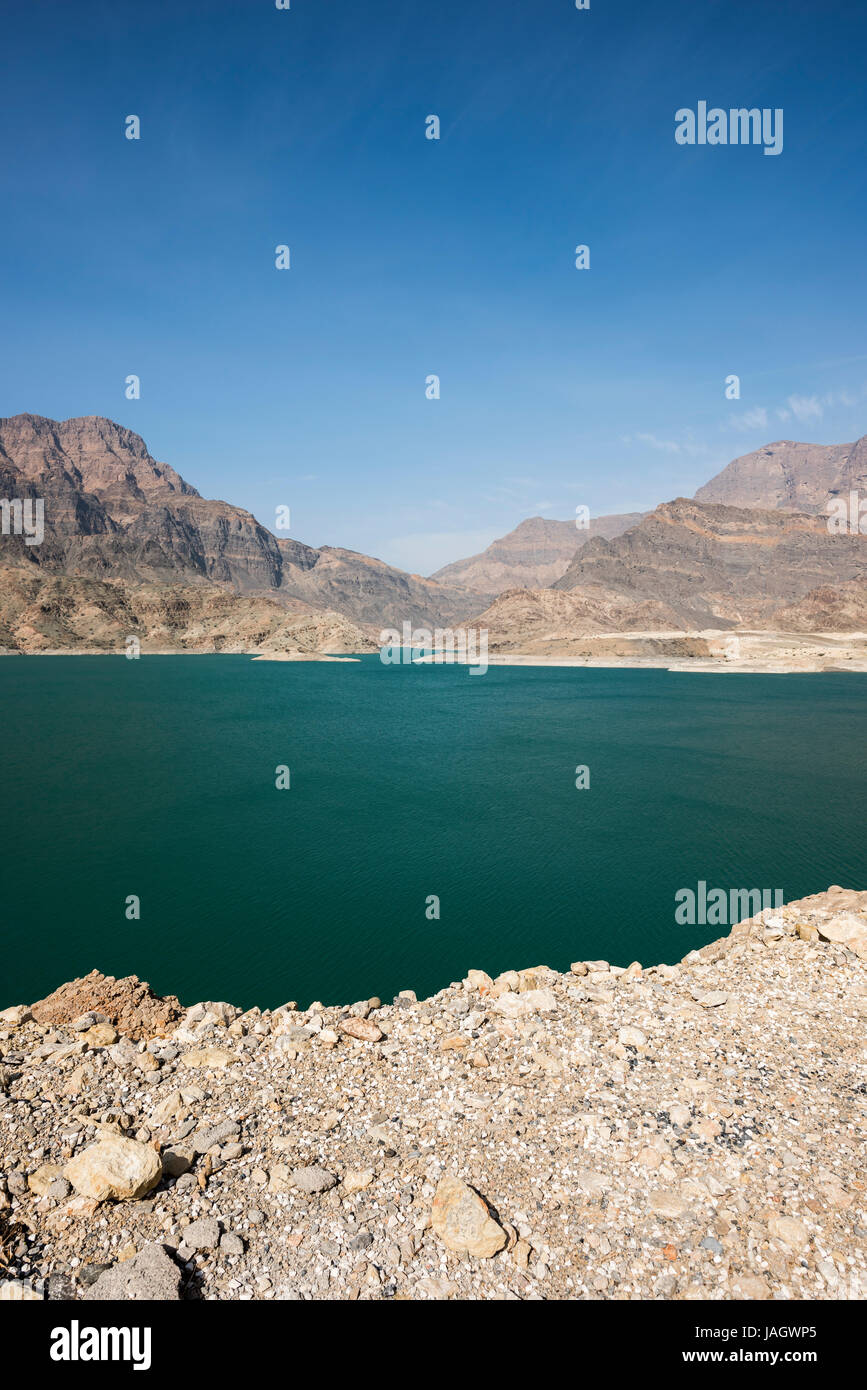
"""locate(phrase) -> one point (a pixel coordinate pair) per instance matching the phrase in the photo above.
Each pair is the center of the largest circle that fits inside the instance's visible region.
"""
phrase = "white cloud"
(690, 446)
(806, 408)
(668, 446)
(756, 419)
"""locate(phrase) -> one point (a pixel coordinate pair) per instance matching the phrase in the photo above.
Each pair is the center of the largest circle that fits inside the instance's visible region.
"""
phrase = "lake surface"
(157, 777)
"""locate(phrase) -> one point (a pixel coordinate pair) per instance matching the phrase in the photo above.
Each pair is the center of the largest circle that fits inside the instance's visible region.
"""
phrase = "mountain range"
(130, 548)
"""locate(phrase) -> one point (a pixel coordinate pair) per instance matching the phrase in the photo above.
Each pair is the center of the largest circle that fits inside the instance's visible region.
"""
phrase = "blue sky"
(412, 257)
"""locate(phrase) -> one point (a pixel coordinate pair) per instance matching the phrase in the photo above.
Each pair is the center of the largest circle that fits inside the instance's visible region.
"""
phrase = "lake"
(156, 778)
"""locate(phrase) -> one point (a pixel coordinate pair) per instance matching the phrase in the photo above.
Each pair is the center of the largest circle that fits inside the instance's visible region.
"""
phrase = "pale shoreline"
(745, 652)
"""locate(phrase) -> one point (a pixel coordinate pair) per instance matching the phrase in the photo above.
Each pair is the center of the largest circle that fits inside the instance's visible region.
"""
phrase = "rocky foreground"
(675, 1132)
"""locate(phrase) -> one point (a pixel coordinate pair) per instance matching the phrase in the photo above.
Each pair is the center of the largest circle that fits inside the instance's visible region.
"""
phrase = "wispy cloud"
(689, 445)
(806, 408)
(755, 419)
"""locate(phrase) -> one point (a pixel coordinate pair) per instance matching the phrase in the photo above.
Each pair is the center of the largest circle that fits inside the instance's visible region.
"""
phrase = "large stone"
(364, 1029)
(461, 1219)
(313, 1179)
(177, 1161)
(40, 1181)
(151, 1276)
(713, 1000)
(846, 930)
(214, 1057)
(514, 1005)
(479, 980)
(205, 1139)
(203, 1234)
(100, 1035)
(356, 1180)
(791, 1231)
(114, 1168)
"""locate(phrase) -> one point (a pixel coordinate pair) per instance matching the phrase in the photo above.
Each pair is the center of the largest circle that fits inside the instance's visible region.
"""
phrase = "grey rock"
(151, 1276)
(203, 1234)
(313, 1179)
(88, 1274)
(232, 1244)
(215, 1134)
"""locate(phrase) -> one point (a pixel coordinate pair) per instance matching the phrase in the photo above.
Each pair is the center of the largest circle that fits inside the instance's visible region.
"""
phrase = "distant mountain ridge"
(718, 566)
(534, 555)
(112, 511)
(784, 475)
(130, 548)
(790, 476)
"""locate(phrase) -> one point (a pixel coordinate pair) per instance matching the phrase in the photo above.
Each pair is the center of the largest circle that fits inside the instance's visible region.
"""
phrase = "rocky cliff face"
(794, 477)
(42, 612)
(718, 566)
(534, 555)
(553, 622)
(370, 591)
(113, 512)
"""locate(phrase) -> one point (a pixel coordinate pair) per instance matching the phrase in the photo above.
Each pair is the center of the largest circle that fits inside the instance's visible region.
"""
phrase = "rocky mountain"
(42, 612)
(130, 548)
(830, 608)
(790, 476)
(370, 591)
(114, 512)
(718, 566)
(534, 555)
(552, 622)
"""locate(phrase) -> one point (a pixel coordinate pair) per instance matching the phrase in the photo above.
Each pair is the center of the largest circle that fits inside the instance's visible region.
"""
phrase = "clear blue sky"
(409, 257)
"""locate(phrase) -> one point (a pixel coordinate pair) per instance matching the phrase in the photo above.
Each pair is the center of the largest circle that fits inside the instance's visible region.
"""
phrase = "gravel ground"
(671, 1132)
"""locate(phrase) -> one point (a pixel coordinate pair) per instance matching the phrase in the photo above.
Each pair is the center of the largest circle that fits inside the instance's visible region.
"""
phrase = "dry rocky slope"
(534, 555)
(785, 475)
(132, 550)
(112, 512)
(693, 1131)
(790, 476)
(50, 613)
(720, 566)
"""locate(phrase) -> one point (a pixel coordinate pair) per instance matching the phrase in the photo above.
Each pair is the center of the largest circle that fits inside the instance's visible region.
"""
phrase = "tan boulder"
(214, 1057)
(461, 1219)
(846, 930)
(100, 1035)
(364, 1029)
(40, 1181)
(114, 1168)
(356, 1180)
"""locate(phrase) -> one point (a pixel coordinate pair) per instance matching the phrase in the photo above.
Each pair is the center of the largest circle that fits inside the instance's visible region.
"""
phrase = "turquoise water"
(157, 778)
